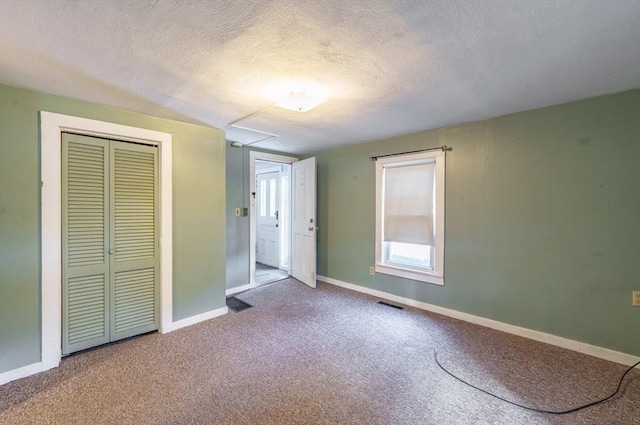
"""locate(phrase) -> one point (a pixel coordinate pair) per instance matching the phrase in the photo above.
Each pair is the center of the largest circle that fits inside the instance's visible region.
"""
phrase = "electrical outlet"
(372, 270)
(636, 298)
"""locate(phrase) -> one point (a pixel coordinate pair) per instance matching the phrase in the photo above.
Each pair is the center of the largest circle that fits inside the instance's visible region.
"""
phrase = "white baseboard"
(197, 319)
(581, 347)
(34, 368)
(238, 289)
(21, 372)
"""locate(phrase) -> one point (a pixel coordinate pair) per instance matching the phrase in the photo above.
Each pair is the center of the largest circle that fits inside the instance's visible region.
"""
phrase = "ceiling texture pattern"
(391, 67)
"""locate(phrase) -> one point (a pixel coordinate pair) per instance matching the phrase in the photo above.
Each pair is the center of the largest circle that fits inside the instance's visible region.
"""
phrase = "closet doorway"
(52, 126)
(109, 240)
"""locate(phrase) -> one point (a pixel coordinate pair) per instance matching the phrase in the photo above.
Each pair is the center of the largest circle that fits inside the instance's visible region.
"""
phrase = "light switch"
(238, 212)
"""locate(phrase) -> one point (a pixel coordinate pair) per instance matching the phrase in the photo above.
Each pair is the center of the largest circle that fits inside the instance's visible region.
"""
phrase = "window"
(410, 216)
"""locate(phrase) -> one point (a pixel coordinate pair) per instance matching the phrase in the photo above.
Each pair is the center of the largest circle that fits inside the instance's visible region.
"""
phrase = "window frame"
(436, 276)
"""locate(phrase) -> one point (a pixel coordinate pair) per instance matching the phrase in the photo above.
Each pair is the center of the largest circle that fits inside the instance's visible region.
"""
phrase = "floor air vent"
(391, 305)
(237, 305)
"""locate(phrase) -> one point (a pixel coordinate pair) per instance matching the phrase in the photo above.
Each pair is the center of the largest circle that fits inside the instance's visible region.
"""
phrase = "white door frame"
(262, 156)
(51, 127)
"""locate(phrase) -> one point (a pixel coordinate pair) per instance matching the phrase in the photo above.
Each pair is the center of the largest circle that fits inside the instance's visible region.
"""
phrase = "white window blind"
(408, 203)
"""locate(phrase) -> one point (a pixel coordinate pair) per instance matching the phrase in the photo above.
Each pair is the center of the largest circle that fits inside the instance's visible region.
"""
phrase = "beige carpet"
(324, 356)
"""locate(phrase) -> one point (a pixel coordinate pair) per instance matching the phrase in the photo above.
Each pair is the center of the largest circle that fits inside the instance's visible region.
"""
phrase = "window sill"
(410, 274)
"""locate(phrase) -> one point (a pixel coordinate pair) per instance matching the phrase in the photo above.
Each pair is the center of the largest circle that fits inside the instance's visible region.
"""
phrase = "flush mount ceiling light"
(297, 96)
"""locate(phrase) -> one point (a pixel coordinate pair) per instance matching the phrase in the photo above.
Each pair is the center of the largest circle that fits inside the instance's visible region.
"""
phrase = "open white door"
(303, 253)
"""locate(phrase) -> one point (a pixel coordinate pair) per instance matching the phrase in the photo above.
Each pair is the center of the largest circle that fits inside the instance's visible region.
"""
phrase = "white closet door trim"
(51, 127)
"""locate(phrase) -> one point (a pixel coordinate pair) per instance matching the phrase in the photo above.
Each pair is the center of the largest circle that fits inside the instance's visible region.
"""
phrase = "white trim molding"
(21, 372)
(198, 318)
(238, 289)
(581, 347)
(51, 127)
(34, 368)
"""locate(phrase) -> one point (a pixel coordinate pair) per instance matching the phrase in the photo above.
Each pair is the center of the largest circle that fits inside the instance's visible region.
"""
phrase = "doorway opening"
(269, 217)
(273, 221)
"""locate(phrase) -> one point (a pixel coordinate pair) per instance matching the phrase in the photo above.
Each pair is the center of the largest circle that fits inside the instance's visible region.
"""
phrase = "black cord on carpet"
(553, 412)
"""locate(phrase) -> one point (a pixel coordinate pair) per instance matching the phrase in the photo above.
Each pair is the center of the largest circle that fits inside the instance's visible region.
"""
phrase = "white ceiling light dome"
(301, 96)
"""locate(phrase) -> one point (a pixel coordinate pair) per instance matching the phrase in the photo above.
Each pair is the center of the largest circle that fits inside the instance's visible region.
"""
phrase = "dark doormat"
(237, 305)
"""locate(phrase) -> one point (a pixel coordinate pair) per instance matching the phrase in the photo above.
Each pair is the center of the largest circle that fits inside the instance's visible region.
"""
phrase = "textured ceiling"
(392, 67)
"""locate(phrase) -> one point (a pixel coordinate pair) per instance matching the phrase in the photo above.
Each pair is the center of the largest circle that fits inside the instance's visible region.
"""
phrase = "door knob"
(111, 252)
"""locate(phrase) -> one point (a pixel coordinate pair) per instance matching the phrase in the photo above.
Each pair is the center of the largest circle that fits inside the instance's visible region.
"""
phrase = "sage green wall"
(542, 219)
(237, 227)
(198, 214)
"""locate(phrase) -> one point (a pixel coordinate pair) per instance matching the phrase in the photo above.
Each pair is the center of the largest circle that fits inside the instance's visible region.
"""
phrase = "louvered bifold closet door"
(134, 273)
(85, 230)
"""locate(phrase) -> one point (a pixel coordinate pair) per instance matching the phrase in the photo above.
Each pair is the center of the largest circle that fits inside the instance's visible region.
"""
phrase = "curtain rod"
(443, 148)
